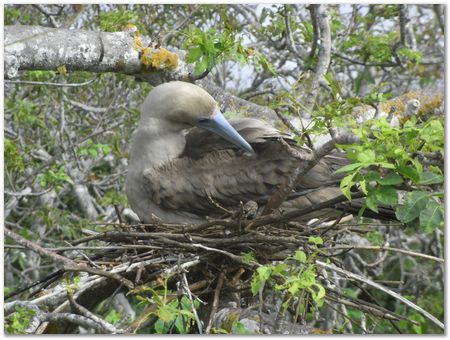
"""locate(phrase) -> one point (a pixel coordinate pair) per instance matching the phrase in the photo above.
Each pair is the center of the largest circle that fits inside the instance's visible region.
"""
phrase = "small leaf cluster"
(297, 276)
(92, 149)
(208, 48)
(384, 163)
(173, 315)
(13, 158)
(17, 322)
(55, 177)
(116, 20)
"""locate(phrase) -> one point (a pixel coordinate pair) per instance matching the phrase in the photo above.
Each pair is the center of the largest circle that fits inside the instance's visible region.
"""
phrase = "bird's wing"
(254, 131)
(200, 182)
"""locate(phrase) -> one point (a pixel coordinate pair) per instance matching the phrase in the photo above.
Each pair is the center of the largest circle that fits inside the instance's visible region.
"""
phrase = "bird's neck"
(156, 142)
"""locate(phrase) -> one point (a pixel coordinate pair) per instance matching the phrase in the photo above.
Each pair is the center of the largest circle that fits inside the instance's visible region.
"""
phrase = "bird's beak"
(220, 126)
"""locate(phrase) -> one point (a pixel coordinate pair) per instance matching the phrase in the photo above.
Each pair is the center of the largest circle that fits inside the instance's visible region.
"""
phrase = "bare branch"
(42, 48)
(383, 289)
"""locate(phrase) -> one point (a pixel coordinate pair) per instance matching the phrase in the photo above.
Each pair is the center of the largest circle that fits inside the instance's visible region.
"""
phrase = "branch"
(43, 48)
(79, 309)
(69, 265)
(383, 289)
(324, 53)
(44, 83)
(215, 302)
(384, 248)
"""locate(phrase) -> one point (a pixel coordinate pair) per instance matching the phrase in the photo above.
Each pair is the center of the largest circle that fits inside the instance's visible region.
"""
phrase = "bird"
(189, 164)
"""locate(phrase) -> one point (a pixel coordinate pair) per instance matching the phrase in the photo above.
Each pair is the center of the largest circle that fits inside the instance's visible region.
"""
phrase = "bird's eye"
(202, 120)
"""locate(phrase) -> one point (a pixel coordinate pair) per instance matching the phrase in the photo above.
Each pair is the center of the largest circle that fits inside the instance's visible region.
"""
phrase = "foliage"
(55, 143)
(208, 48)
(296, 276)
(54, 177)
(17, 322)
(13, 159)
(384, 162)
(173, 315)
(92, 149)
(117, 20)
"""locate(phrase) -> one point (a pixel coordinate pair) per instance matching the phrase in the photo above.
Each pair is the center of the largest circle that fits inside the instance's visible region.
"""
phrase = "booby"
(187, 162)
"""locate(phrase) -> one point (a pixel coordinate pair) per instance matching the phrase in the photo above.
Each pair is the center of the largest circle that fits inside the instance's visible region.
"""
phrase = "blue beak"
(220, 126)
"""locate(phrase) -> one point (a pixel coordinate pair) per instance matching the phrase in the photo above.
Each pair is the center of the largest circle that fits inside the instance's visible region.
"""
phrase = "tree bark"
(44, 48)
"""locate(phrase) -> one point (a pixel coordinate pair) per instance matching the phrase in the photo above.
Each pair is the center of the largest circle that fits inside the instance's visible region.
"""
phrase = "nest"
(213, 262)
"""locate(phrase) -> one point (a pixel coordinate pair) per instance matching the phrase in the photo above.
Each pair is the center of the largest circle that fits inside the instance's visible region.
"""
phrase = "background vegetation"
(317, 68)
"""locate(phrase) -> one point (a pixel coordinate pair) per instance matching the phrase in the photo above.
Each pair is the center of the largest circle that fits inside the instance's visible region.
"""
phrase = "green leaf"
(428, 177)
(409, 172)
(391, 179)
(179, 325)
(431, 217)
(294, 287)
(280, 268)
(166, 313)
(366, 157)
(415, 202)
(387, 195)
(318, 297)
(308, 277)
(372, 176)
(159, 326)
(433, 132)
(200, 66)
(346, 185)
(386, 165)
(315, 240)
(255, 285)
(194, 54)
(372, 202)
(375, 238)
(259, 278)
(264, 272)
(363, 185)
(300, 256)
(348, 167)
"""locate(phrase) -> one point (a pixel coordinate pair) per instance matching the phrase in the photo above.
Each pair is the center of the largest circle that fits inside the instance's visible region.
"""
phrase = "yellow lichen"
(427, 103)
(159, 59)
(137, 43)
(62, 69)
(130, 27)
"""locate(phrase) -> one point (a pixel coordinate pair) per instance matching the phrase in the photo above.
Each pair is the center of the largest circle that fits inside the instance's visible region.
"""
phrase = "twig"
(34, 284)
(69, 265)
(215, 302)
(194, 310)
(27, 192)
(383, 248)
(27, 82)
(358, 62)
(73, 318)
(85, 312)
(383, 289)
(166, 38)
(49, 16)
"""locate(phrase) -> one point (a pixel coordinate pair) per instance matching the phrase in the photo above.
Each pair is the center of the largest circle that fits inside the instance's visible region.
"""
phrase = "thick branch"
(324, 53)
(43, 48)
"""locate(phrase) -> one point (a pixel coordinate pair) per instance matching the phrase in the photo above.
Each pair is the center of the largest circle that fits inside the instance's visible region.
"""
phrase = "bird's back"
(211, 174)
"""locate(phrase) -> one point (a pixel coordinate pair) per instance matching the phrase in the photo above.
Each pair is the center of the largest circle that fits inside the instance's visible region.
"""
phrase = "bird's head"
(187, 105)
